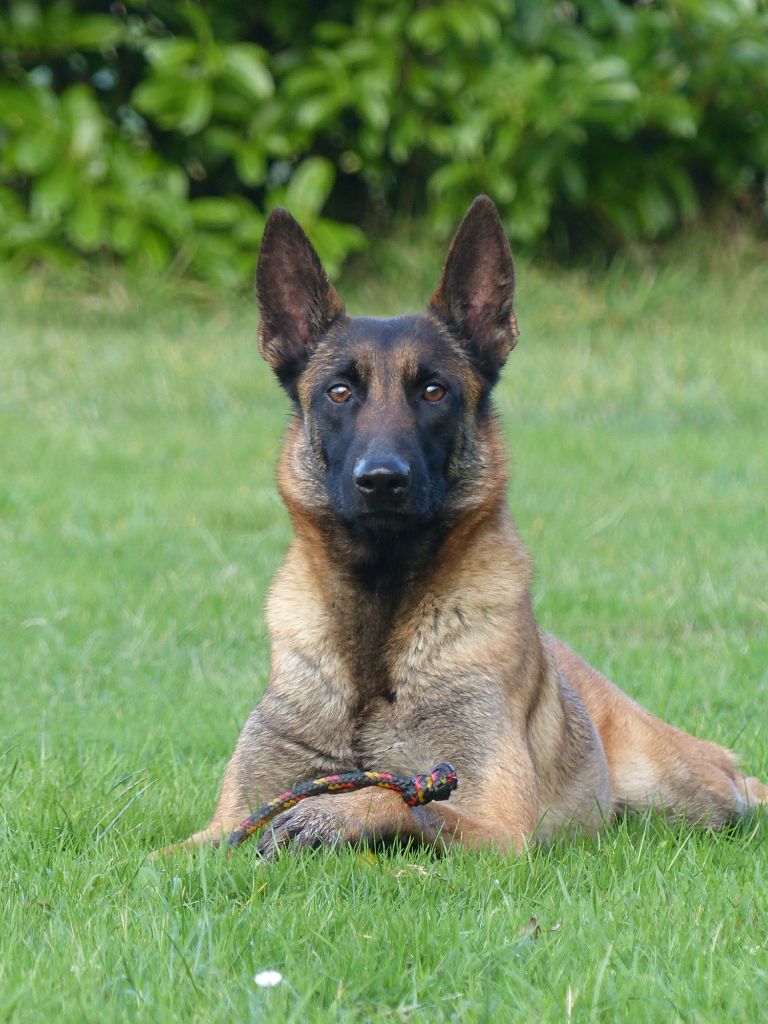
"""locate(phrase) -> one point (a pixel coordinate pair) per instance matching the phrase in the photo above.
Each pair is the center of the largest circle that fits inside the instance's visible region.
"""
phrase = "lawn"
(139, 529)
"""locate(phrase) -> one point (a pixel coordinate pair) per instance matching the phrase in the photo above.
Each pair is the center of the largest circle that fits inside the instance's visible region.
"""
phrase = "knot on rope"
(438, 785)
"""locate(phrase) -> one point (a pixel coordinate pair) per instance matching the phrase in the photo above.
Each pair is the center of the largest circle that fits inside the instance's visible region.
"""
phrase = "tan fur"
(453, 667)
(541, 740)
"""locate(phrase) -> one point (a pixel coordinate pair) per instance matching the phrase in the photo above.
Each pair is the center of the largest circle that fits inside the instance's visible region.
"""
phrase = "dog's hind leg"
(653, 764)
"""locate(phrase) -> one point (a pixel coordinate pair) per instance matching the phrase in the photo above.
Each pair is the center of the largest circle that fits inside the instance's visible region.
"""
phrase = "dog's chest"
(456, 722)
(412, 707)
(388, 652)
(392, 684)
(394, 738)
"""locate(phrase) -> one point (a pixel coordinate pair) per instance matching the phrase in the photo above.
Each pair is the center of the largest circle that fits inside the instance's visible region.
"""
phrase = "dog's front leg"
(368, 817)
(268, 760)
(488, 815)
(499, 808)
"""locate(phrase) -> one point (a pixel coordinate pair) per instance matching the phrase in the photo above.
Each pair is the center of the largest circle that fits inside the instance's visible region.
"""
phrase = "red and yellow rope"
(414, 789)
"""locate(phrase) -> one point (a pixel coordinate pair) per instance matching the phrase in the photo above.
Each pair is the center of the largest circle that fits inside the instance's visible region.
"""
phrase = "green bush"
(161, 132)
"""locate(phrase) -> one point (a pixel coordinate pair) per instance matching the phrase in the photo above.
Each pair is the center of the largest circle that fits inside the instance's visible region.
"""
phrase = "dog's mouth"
(386, 514)
(386, 520)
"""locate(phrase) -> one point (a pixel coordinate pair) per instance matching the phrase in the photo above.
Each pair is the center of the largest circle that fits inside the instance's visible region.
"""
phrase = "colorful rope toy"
(414, 789)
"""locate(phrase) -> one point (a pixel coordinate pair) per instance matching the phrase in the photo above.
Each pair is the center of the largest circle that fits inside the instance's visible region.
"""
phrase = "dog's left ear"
(477, 287)
(298, 303)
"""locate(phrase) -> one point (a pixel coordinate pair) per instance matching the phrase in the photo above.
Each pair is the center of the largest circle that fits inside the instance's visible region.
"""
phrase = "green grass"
(139, 529)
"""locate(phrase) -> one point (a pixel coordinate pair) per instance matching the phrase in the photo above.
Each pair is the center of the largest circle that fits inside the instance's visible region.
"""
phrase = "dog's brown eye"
(340, 393)
(433, 392)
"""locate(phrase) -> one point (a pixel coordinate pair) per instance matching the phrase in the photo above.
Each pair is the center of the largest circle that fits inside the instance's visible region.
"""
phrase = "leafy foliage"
(161, 132)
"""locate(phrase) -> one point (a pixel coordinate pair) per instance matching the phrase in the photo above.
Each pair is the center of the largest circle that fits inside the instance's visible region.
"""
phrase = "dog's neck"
(385, 564)
(367, 595)
(381, 569)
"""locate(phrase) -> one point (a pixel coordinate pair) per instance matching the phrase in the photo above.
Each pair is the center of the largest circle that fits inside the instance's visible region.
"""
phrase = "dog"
(401, 624)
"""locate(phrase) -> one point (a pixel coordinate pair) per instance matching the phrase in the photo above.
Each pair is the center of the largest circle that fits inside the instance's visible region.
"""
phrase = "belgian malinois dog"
(401, 623)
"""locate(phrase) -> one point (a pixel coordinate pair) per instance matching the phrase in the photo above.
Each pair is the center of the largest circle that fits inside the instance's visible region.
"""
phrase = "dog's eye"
(433, 392)
(339, 393)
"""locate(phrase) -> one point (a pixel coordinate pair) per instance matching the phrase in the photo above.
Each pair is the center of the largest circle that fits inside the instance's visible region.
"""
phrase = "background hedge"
(161, 131)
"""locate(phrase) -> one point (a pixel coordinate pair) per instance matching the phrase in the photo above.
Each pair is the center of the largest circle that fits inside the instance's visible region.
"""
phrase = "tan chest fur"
(405, 688)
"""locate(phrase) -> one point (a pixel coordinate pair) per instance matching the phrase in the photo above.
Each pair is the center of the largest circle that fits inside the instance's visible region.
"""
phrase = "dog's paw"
(312, 823)
(756, 791)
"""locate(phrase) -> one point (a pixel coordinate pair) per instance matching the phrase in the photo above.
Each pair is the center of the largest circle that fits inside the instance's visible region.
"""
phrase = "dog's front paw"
(312, 823)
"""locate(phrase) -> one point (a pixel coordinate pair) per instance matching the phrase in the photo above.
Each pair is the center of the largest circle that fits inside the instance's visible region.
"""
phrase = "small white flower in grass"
(268, 979)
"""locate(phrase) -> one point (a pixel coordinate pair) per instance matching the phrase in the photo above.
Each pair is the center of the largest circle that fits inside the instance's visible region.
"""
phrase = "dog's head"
(392, 409)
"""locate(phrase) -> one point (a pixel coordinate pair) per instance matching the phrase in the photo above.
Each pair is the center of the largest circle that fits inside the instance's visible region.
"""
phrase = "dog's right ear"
(298, 303)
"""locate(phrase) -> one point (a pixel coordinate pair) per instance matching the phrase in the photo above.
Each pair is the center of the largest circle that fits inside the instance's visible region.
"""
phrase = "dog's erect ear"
(477, 287)
(298, 303)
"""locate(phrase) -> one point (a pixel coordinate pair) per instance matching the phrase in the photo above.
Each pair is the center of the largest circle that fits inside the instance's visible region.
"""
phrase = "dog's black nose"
(382, 476)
